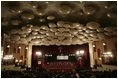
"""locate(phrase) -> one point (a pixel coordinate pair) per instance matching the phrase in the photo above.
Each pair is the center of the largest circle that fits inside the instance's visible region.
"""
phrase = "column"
(29, 56)
(91, 54)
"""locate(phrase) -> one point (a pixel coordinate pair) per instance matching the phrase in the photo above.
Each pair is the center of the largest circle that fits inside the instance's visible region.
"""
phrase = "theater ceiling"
(58, 22)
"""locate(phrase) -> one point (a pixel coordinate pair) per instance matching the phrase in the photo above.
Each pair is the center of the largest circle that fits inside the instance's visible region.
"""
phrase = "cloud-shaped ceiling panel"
(15, 22)
(27, 15)
(64, 9)
(50, 17)
(54, 35)
(58, 23)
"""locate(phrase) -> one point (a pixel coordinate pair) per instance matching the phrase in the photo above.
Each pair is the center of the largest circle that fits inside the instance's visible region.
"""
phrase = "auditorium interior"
(59, 39)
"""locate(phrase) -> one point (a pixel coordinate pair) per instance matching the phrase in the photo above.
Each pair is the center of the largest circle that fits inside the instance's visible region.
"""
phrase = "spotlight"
(77, 53)
(93, 45)
(8, 46)
(81, 52)
(26, 48)
(38, 53)
(100, 58)
(16, 60)
(109, 53)
(104, 44)
(19, 47)
(20, 60)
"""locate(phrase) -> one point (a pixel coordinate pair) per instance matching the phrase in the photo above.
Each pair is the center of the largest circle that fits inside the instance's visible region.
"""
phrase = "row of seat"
(60, 65)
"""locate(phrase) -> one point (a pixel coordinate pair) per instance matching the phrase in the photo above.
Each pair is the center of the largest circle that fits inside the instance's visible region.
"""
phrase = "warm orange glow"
(38, 53)
(19, 47)
(8, 46)
(104, 44)
(93, 45)
(26, 48)
(100, 58)
(16, 60)
(80, 53)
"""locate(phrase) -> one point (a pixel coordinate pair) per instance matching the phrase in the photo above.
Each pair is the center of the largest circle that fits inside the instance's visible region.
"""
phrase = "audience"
(38, 73)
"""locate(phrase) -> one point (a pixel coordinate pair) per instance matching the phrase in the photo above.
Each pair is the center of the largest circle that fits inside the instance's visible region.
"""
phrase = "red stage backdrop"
(66, 54)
